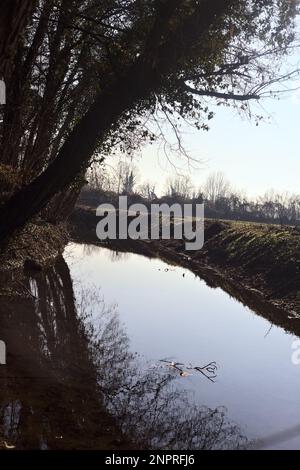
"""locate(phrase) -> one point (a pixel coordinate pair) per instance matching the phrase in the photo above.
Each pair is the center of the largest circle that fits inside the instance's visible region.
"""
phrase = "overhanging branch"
(224, 96)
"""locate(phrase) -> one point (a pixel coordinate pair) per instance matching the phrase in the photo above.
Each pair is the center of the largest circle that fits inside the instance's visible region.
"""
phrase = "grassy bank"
(267, 255)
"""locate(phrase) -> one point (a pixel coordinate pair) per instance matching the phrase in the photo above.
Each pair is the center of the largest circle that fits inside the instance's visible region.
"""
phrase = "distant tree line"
(220, 199)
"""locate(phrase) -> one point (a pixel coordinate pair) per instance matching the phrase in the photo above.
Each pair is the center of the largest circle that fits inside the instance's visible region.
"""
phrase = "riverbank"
(41, 241)
(259, 264)
(34, 248)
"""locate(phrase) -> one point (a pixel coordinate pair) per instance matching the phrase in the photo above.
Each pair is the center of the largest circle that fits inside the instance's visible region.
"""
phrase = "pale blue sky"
(254, 159)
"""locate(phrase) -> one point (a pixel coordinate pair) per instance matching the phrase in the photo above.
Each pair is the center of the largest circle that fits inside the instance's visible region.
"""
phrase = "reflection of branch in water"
(116, 256)
(113, 255)
(267, 333)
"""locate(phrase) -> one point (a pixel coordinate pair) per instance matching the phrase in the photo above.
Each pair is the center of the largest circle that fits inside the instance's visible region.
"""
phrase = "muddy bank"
(256, 263)
(41, 241)
(35, 248)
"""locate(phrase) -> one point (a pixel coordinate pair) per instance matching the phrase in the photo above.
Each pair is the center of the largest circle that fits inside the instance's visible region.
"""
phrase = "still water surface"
(169, 313)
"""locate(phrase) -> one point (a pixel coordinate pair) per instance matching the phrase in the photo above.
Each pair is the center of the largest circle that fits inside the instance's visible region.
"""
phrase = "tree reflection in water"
(71, 381)
(113, 255)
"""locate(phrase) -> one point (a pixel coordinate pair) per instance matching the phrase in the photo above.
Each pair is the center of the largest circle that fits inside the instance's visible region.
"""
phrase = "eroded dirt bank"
(31, 251)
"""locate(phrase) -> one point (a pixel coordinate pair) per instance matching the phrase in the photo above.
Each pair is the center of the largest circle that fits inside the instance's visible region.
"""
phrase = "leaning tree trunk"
(75, 154)
(13, 18)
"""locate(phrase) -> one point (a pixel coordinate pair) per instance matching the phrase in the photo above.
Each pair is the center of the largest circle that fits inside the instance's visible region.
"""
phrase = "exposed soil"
(36, 245)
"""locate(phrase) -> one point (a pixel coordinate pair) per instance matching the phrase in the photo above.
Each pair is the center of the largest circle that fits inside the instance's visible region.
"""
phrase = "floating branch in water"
(209, 370)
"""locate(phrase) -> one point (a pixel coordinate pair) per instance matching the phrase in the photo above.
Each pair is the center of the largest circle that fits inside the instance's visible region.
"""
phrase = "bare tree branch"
(225, 96)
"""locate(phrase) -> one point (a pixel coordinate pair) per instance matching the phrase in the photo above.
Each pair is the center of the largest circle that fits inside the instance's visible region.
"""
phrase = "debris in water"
(209, 370)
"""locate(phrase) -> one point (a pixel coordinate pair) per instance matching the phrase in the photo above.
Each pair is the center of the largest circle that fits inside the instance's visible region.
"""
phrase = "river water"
(90, 353)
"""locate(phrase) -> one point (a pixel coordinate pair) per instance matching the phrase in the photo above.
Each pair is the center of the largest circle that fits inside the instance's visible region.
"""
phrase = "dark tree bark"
(13, 18)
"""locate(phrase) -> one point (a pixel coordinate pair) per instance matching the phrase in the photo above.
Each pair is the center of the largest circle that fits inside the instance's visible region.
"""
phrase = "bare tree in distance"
(180, 186)
(216, 186)
(121, 178)
(147, 190)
